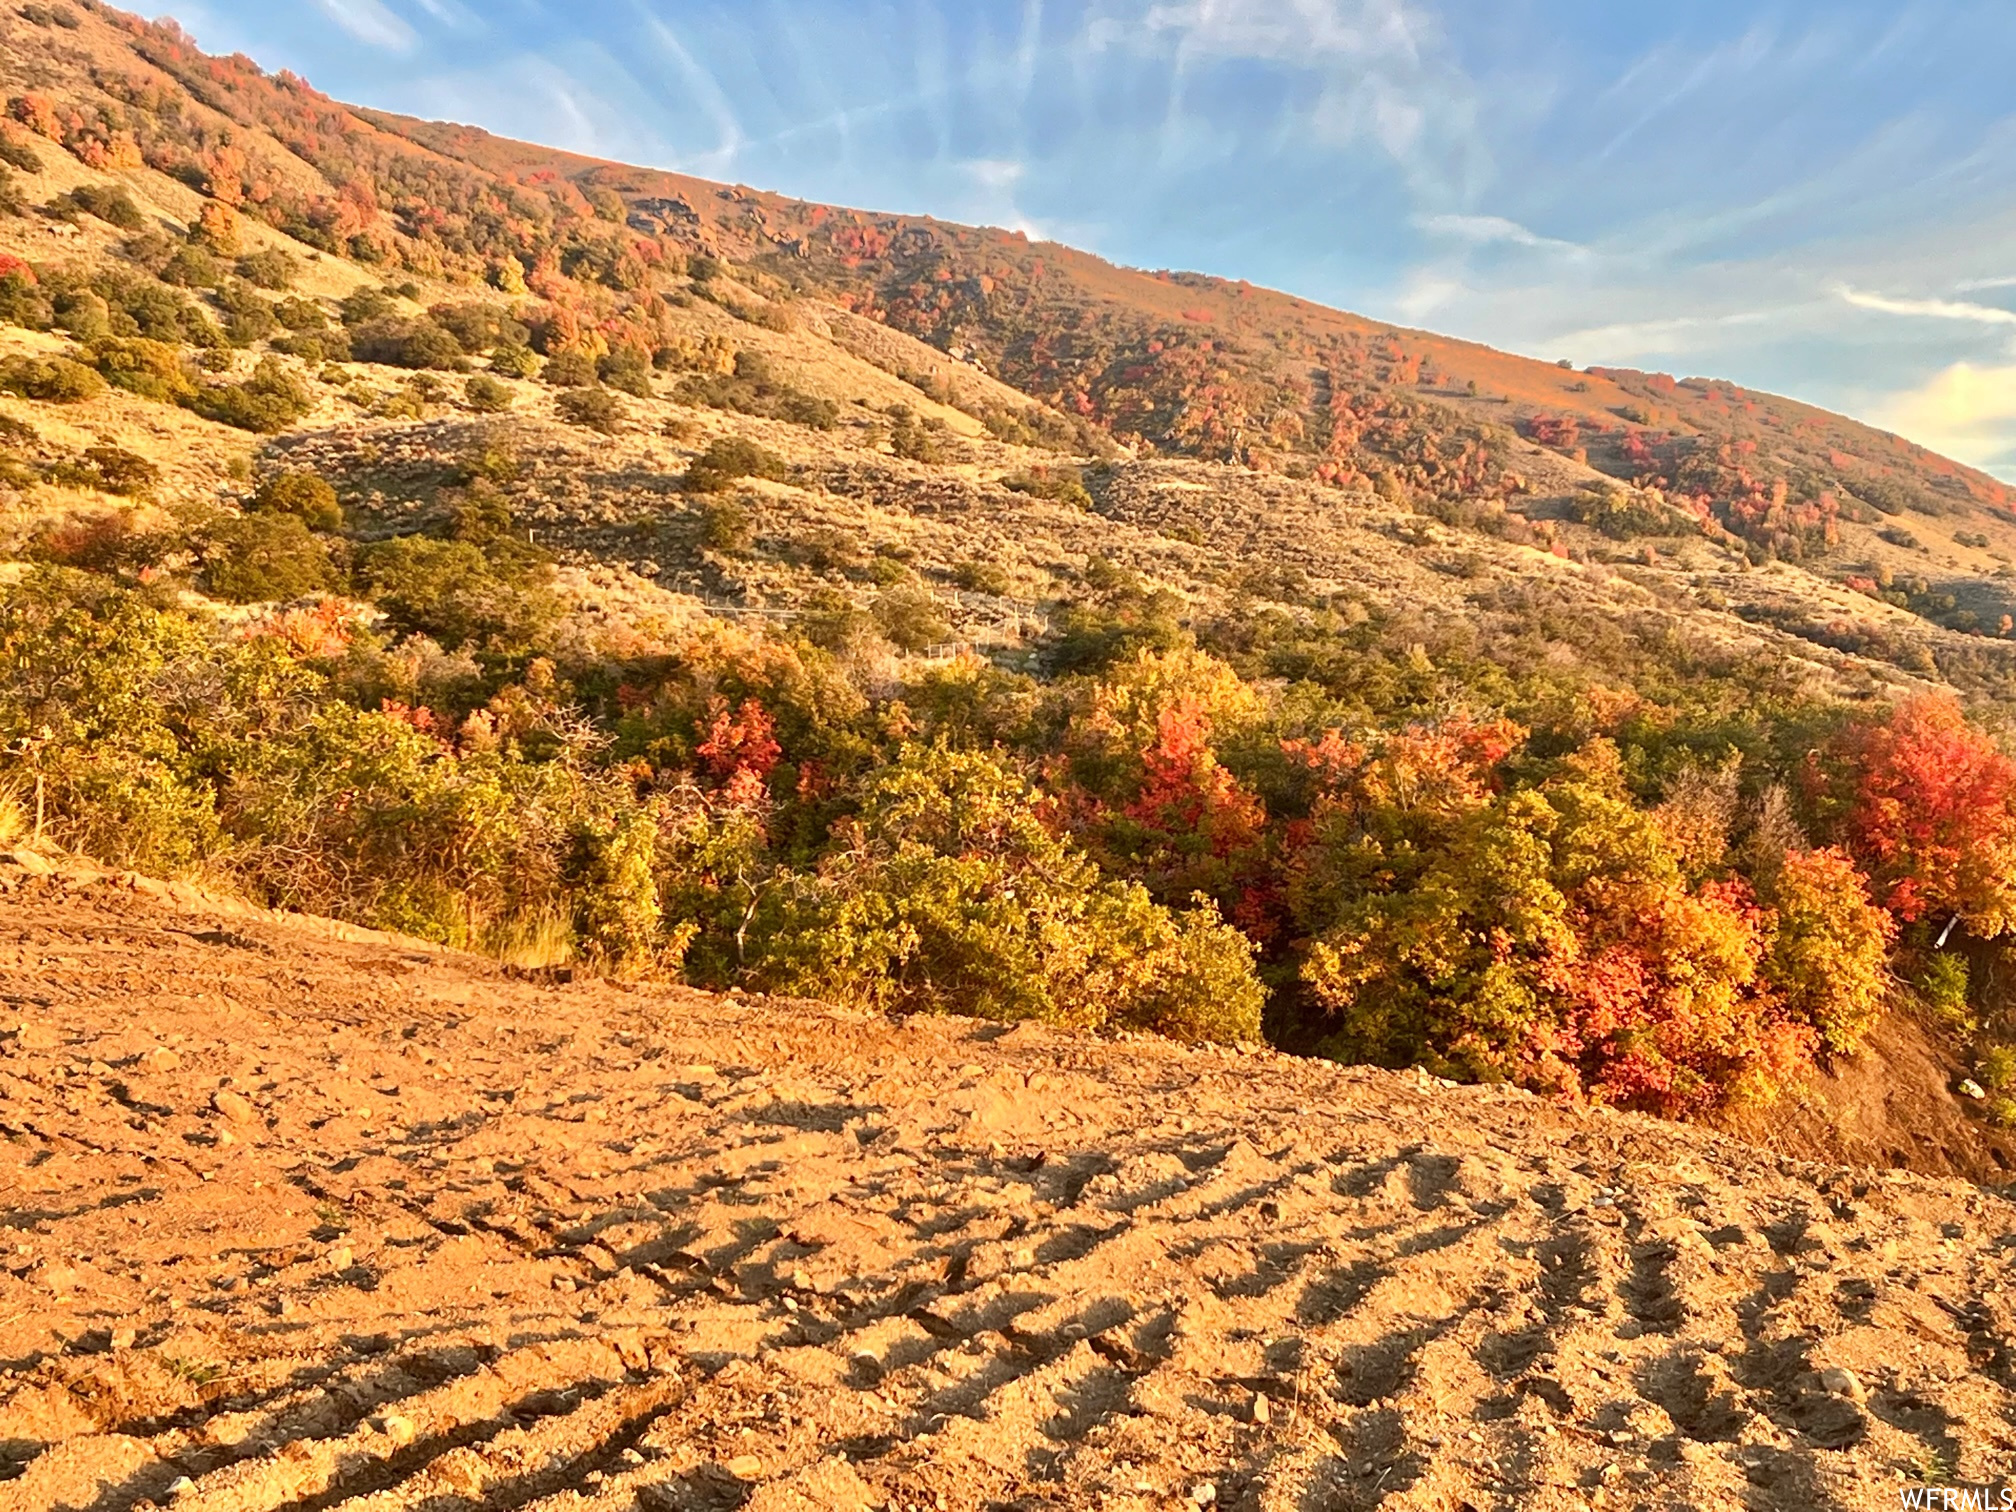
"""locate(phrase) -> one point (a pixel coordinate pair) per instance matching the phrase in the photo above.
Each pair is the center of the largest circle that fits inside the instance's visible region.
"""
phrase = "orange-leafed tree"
(1926, 802)
(741, 749)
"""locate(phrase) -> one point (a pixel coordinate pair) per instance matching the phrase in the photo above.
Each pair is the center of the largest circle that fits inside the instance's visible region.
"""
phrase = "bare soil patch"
(293, 1221)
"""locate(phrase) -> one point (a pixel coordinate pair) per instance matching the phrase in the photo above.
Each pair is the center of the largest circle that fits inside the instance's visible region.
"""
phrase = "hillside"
(347, 1222)
(608, 572)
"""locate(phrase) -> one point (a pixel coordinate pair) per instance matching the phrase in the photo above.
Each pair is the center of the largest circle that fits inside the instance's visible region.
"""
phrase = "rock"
(160, 1058)
(234, 1106)
(746, 1467)
(32, 863)
(1204, 1493)
(124, 1338)
(180, 1484)
(1841, 1383)
(55, 1276)
(37, 1037)
(340, 1259)
(1973, 1089)
(1261, 1411)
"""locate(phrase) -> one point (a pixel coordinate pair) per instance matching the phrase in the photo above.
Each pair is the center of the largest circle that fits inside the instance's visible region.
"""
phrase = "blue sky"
(1817, 198)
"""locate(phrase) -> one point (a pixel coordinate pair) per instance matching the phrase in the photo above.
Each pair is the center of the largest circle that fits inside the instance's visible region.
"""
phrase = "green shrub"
(152, 369)
(55, 379)
(729, 459)
(301, 315)
(618, 918)
(253, 321)
(112, 469)
(308, 498)
(1830, 949)
(193, 267)
(1624, 513)
(450, 590)
(628, 370)
(813, 413)
(268, 402)
(595, 408)
(1060, 485)
(911, 618)
(367, 304)
(264, 559)
(726, 526)
(271, 269)
(515, 362)
(416, 344)
(108, 202)
(912, 439)
(569, 369)
(487, 395)
(954, 897)
(479, 327)
(315, 346)
(83, 315)
(22, 303)
(982, 577)
(1943, 984)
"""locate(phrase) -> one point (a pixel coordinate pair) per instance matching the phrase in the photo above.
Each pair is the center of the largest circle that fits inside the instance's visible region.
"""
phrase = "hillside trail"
(297, 1218)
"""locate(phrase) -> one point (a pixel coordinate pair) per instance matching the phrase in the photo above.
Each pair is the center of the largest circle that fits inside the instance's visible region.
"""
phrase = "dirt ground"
(295, 1218)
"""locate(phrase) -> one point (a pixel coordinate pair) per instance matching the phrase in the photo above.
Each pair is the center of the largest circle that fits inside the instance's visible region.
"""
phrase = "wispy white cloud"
(450, 13)
(1484, 230)
(371, 22)
(708, 93)
(1931, 309)
(1662, 335)
(1377, 71)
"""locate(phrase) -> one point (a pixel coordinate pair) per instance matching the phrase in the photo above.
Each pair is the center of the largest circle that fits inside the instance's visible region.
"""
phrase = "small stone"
(397, 1428)
(53, 1275)
(234, 1106)
(340, 1258)
(1261, 1411)
(37, 1037)
(1973, 1089)
(632, 1457)
(33, 864)
(160, 1058)
(124, 1338)
(746, 1467)
(1204, 1493)
(1841, 1383)
(563, 1283)
(180, 1484)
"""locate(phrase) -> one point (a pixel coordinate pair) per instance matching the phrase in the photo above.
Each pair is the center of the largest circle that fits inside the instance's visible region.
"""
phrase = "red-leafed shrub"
(1927, 804)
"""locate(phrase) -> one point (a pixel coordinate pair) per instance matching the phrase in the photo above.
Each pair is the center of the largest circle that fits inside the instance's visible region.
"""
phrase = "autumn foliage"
(1927, 803)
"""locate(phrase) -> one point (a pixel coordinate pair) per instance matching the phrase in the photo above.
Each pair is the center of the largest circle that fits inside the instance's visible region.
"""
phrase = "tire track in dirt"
(312, 1224)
